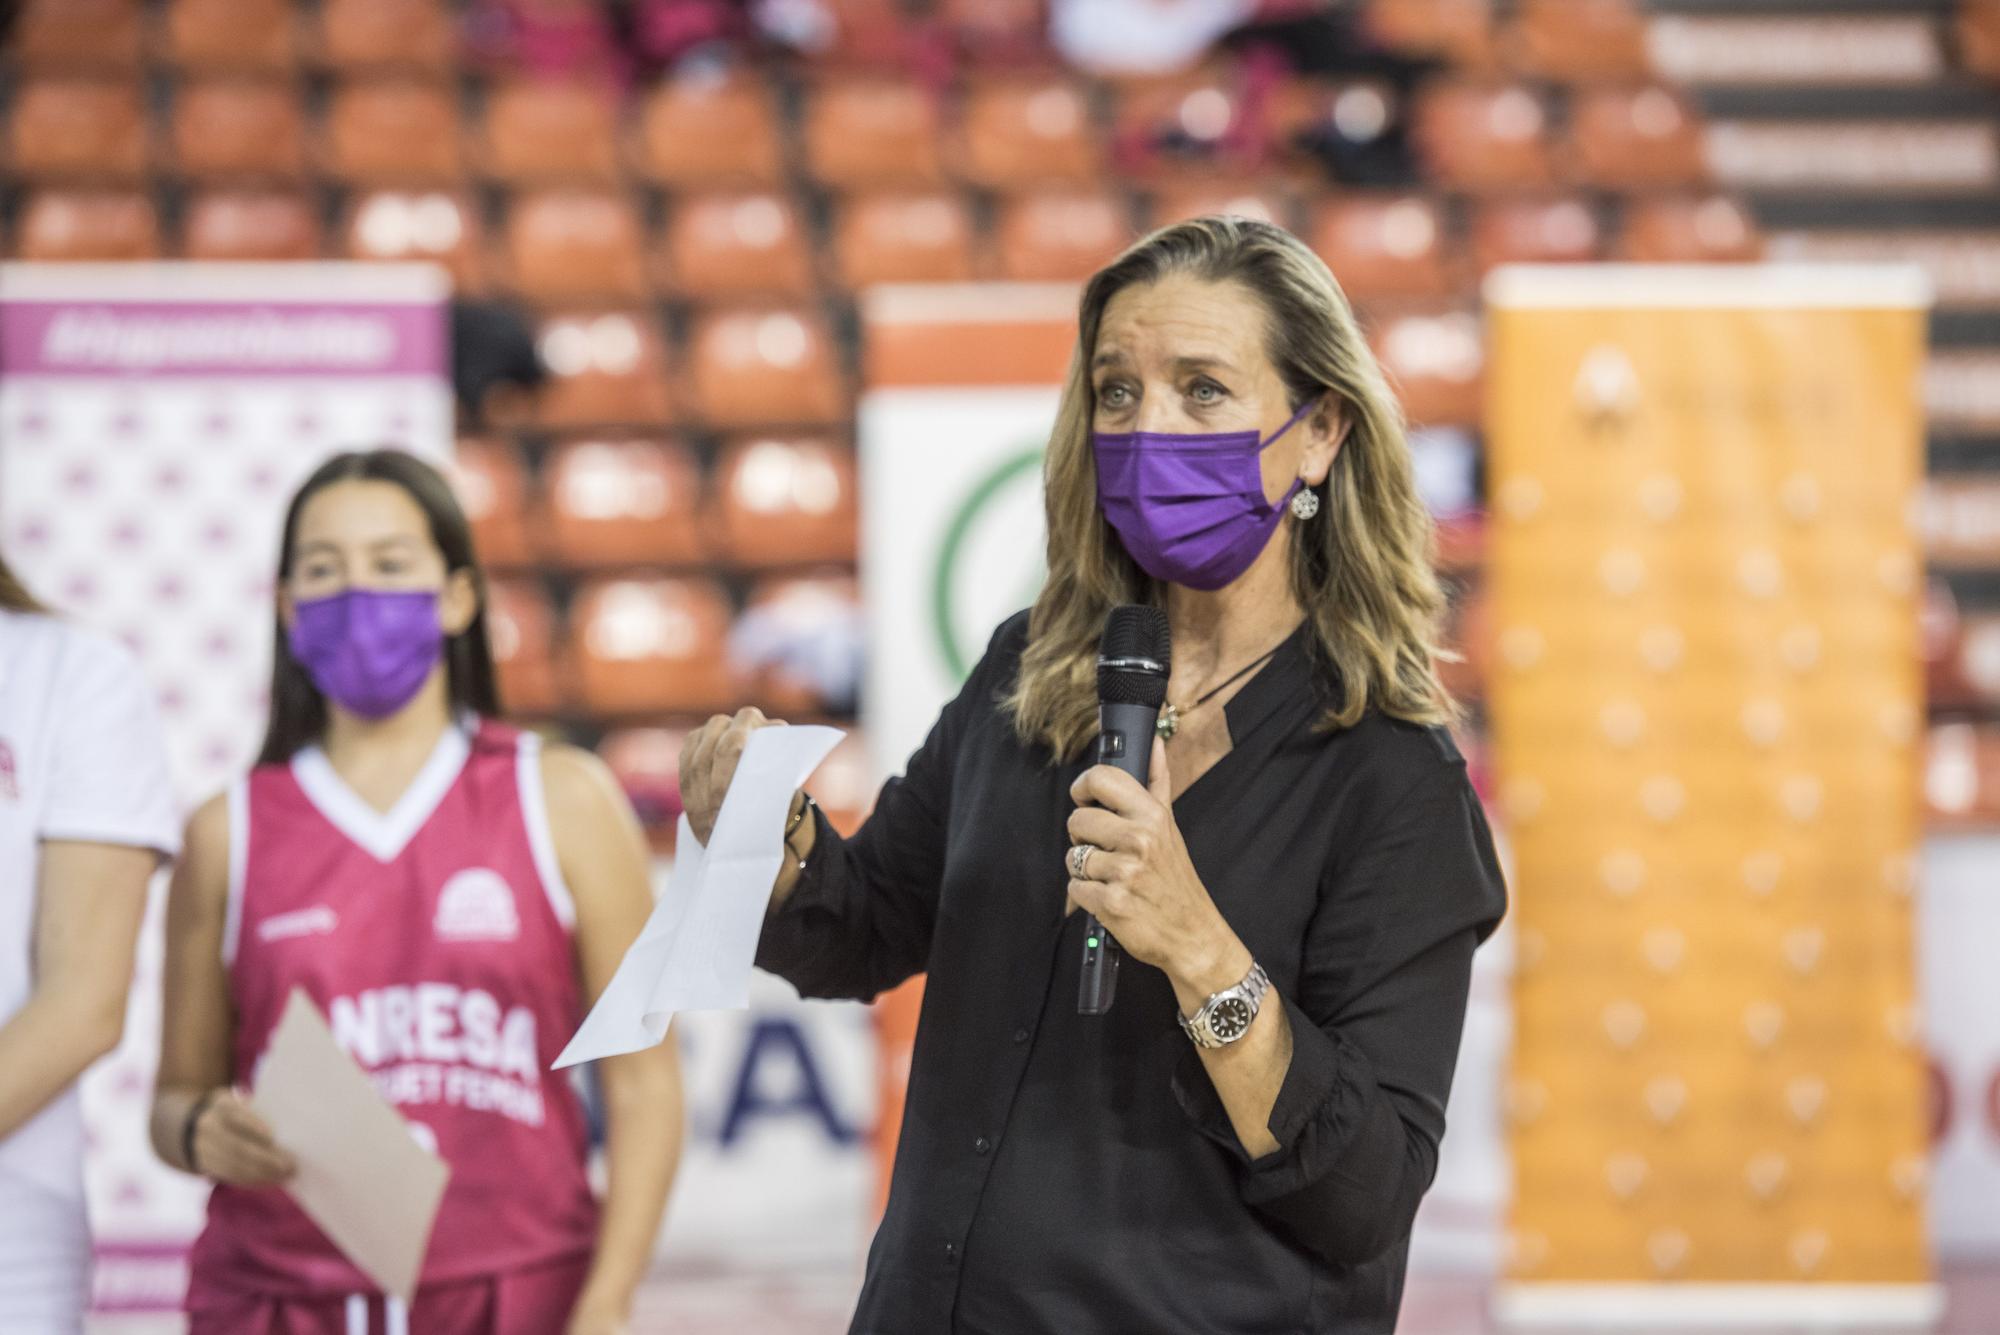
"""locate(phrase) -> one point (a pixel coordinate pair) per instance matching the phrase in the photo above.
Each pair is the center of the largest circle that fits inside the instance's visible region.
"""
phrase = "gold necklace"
(1169, 721)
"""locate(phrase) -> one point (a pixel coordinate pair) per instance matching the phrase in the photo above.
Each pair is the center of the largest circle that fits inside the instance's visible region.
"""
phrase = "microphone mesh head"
(1134, 631)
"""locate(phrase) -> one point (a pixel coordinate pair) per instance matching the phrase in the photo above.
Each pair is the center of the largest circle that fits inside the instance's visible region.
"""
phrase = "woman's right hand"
(708, 762)
(233, 1145)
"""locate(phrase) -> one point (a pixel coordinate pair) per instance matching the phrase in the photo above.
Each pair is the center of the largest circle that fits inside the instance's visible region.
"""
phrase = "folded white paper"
(362, 1177)
(696, 950)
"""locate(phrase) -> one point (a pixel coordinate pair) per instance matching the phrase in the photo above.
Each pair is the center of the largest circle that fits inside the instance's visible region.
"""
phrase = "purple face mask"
(368, 650)
(1190, 508)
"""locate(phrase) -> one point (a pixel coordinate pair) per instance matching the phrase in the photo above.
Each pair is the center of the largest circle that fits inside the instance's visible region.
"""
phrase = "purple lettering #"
(10, 785)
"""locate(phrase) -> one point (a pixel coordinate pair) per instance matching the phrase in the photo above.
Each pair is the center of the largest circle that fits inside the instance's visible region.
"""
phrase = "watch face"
(1230, 1019)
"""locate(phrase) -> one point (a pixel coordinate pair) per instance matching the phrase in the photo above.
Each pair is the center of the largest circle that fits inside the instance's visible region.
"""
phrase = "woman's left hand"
(591, 1318)
(1139, 881)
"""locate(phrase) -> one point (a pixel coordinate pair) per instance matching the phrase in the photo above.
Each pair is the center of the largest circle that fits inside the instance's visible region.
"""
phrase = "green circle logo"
(970, 533)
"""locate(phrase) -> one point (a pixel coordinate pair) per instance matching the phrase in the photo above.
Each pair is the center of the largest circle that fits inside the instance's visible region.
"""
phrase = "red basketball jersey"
(435, 937)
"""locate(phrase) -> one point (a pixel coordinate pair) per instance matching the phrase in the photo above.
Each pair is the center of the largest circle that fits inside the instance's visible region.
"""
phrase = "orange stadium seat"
(231, 128)
(432, 225)
(1979, 36)
(1482, 137)
(867, 130)
(605, 369)
(998, 33)
(1637, 137)
(387, 34)
(737, 244)
(647, 764)
(788, 620)
(521, 626)
(1962, 776)
(1272, 204)
(77, 128)
(393, 132)
(1185, 126)
(623, 502)
(1060, 236)
(542, 131)
(1460, 32)
(1024, 131)
(491, 479)
(1680, 229)
(568, 245)
(898, 237)
(59, 224)
(653, 646)
(1385, 246)
(1579, 41)
(231, 34)
(704, 129)
(77, 34)
(1977, 662)
(766, 367)
(1435, 360)
(1535, 231)
(786, 500)
(863, 33)
(251, 225)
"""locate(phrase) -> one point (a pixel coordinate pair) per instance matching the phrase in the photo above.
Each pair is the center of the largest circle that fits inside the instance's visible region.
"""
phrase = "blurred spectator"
(547, 38)
(805, 637)
(495, 368)
(1116, 37)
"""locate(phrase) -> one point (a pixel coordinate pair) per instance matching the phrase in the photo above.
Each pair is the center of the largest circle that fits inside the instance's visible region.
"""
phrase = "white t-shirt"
(82, 758)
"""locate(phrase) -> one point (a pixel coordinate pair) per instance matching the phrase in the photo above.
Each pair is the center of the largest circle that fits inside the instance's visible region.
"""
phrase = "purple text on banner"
(235, 338)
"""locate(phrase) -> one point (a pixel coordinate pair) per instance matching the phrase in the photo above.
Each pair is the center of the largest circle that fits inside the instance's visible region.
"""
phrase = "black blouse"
(1070, 1175)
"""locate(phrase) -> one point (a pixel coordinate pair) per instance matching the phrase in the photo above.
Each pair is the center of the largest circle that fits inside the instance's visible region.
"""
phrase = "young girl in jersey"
(452, 895)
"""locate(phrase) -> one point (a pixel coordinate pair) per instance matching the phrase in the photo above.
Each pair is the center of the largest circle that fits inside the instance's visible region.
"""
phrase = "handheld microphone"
(1132, 663)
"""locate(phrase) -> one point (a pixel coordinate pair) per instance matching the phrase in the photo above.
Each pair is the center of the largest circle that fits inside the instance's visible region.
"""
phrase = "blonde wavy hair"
(1362, 570)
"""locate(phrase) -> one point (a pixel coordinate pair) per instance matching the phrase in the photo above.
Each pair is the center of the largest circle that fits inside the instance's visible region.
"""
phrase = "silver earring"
(1305, 503)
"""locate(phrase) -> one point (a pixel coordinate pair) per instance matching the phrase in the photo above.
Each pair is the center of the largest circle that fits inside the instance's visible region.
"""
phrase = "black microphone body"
(1132, 670)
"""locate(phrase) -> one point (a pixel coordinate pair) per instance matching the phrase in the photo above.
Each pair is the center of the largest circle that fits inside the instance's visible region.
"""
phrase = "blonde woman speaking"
(1240, 1143)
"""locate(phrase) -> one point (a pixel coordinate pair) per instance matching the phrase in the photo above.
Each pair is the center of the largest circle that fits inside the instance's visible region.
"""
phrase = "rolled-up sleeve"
(859, 920)
(1376, 1016)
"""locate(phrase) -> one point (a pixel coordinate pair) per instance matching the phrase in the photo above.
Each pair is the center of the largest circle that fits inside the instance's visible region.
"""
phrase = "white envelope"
(697, 948)
(362, 1178)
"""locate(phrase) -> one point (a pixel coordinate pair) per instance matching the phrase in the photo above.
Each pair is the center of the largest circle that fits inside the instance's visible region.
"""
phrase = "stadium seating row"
(570, 245)
(857, 131)
(773, 503)
(652, 645)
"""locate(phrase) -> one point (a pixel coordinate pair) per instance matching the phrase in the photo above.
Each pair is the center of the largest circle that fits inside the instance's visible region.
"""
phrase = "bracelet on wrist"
(193, 1119)
(799, 818)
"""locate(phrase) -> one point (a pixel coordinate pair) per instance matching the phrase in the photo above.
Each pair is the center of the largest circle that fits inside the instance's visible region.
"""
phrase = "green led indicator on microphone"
(1090, 941)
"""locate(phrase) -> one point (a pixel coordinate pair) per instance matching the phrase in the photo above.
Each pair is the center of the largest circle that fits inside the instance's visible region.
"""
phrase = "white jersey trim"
(383, 834)
(541, 840)
(238, 801)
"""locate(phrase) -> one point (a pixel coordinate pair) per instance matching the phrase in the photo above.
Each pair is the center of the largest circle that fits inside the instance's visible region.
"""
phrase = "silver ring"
(1079, 858)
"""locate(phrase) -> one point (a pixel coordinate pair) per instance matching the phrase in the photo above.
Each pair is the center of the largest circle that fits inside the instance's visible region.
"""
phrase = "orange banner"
(1707, 714)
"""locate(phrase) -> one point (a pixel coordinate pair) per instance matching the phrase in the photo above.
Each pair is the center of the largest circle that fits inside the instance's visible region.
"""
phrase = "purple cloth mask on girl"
(368, 650)
(1190, 507)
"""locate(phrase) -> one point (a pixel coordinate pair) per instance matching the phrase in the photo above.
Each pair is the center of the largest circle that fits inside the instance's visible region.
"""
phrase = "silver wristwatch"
(1227, 1016)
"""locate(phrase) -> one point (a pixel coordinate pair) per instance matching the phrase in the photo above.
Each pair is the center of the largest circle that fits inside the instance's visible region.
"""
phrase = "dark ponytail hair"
(14, 595)
(298, 710)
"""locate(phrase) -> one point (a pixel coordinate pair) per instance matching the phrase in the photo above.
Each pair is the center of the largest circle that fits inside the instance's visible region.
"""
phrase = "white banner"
(1958, 924)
